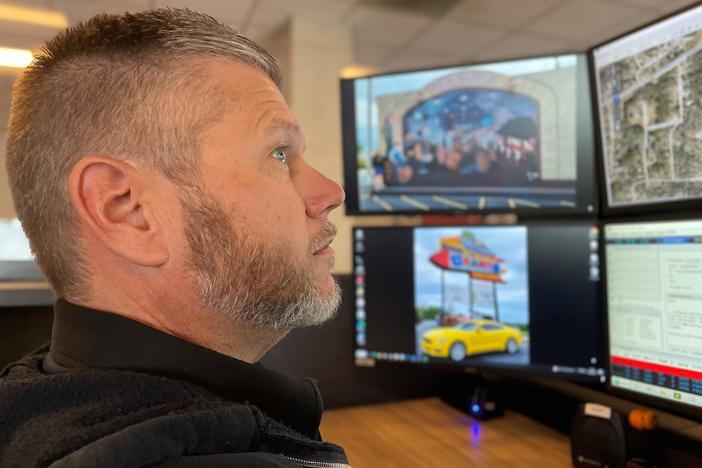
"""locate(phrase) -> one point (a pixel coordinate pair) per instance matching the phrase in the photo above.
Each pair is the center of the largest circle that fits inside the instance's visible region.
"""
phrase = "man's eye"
(281, 155)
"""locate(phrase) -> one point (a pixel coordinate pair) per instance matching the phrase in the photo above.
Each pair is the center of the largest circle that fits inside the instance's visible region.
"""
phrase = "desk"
(25, 293)
(428, 433)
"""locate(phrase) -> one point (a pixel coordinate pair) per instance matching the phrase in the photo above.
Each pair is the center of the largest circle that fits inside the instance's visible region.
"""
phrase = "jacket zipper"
(317, 464)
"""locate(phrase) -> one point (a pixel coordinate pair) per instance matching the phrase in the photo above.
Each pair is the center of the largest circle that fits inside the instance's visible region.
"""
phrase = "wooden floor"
(428, 433)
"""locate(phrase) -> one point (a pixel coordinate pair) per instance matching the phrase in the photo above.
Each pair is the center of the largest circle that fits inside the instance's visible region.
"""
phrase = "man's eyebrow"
(278, 125)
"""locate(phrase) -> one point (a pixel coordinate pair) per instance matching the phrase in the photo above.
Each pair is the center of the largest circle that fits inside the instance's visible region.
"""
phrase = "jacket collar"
(88, 338)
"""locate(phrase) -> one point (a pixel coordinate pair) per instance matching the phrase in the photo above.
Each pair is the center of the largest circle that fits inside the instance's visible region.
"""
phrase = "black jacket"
(111, 392)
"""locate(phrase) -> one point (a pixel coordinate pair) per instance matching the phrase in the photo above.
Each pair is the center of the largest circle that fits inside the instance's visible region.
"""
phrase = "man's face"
(257, 226)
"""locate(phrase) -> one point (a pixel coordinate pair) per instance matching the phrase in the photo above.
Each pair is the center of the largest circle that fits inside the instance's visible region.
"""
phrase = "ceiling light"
(355, 71)
(36, 16)
(15, 58)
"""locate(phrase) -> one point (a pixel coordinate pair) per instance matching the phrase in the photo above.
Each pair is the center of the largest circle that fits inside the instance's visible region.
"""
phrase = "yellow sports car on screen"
(471, 337)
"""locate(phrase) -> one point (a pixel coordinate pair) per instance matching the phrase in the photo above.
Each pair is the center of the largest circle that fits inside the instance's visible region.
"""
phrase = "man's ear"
(110, 200)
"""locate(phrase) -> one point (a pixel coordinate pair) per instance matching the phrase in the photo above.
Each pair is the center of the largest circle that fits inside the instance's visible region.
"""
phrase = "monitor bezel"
(587, 194)
(497, 370)
(605, 210)
(681, 409)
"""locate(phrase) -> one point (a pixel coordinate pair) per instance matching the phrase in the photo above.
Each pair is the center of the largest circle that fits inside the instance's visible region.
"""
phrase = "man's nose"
(321, 194)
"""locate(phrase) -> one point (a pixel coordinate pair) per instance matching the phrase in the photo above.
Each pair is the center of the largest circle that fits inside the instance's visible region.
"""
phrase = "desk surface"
(428, 433)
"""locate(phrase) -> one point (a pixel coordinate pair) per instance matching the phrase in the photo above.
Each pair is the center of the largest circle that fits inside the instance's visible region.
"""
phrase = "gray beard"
(246, 281)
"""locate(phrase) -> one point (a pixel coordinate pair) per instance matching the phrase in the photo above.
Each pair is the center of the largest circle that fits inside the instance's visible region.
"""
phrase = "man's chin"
(328, 280)
(332, 299)
(327, 285)
(322, 272)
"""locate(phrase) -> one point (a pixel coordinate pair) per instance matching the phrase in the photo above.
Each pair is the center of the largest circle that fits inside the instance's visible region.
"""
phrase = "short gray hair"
(107, 86)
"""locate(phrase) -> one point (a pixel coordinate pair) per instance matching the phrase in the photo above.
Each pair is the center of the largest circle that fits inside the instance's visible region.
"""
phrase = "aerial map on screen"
(649, 95)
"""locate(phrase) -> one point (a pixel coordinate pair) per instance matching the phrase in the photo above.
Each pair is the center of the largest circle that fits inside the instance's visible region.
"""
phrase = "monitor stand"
(477, 395)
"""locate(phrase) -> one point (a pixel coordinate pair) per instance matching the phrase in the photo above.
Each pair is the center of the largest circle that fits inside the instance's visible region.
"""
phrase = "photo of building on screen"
(468, 138)
(471, 295)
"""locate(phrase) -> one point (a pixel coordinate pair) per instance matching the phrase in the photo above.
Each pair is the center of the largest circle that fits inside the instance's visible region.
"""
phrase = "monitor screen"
(511, 298)
(16, 259)
(649, 92)
(510, 136)
(654, 302)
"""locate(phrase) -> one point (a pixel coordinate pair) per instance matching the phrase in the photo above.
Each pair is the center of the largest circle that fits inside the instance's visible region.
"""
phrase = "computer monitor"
(16, 259)
(654, 306)
(511, 299)
(648, 90)
(512, 136)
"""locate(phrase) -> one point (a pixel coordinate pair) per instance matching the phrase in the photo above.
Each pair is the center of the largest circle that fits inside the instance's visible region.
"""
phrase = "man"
(159, 176)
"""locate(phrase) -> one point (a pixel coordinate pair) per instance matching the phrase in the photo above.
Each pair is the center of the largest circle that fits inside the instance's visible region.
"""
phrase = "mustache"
(323, 237)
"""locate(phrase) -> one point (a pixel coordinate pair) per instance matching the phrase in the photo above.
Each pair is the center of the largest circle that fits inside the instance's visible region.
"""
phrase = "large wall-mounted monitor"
(654, 304)
(649, 104)
(513, 299)
(512, 136)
